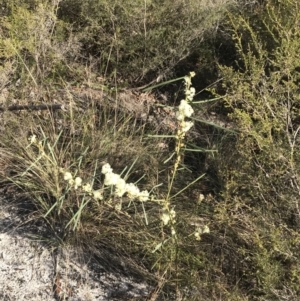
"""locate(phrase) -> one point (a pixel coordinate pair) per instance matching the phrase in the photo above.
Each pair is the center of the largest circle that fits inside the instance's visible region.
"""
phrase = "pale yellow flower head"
(32, 139)
(197, 235)
(77, 182)
(87, 188)
(187, 80)
(144, 196)
(184, 110)
(68, 176)
(190, 93)
(172, 213)
(97, 195)
(106, 169)
(205, 229)
(186, 126)
(192, 74)
(165, 217)
(111, 178)
(120, 187)
(132, 191)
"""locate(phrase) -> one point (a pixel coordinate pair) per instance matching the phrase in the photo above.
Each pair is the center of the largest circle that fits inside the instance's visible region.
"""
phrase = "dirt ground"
(32, 269)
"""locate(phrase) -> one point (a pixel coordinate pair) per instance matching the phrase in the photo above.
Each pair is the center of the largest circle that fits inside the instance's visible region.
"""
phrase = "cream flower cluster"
(121, 187)
(185, 109)
(200, 231)
(77, 182)
(168, 216)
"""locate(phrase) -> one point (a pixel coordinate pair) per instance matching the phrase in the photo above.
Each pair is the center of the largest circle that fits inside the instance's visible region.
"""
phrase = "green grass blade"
(215, 125)
(173, 196)
(163, 84)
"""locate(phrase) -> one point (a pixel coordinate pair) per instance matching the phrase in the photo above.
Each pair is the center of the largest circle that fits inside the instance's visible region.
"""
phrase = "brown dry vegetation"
(95, 58)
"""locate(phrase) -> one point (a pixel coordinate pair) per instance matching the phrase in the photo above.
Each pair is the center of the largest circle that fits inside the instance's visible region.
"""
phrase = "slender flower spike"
(121, 187)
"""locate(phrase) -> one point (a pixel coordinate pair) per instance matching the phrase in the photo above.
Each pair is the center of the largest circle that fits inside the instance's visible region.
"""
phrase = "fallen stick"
(51, 107)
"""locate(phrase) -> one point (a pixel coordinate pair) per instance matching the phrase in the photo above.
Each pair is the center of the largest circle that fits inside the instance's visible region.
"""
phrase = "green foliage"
(59, 162)
(35, 40)
(141, 37)
(50, 40)
(262, 173)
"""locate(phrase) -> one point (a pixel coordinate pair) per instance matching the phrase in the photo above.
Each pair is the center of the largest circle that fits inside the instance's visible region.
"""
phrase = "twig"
(51, 107)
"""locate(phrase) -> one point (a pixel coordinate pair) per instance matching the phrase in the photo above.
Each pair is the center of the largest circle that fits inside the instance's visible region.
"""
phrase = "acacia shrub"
(260, 169)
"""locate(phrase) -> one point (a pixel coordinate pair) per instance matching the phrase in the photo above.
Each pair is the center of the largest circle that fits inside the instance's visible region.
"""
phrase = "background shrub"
(261, 168)
(149, 37)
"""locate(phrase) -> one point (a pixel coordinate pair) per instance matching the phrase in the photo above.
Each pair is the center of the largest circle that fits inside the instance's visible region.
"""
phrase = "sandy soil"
(31, 269)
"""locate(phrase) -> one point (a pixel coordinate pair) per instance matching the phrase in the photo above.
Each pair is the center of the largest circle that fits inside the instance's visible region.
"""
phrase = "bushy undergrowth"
(261, 194)
(64, 164)
(131, 42)
(113, 181)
